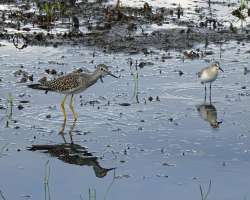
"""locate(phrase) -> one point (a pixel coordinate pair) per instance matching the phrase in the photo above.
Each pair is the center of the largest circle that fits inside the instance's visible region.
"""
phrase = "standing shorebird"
(71, 84)
(209, 74)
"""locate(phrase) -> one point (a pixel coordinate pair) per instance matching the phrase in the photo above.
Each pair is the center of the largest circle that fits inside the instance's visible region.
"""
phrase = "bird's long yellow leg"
(71, 106)
(64, 113)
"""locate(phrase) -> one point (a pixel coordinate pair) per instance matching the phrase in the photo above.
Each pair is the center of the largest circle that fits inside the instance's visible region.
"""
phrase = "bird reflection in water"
(73, 154)
(208, 113)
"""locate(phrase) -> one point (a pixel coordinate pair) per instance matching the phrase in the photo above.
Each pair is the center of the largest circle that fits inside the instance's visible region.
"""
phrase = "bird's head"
(215, 124)
(216, 64)
(103, 70)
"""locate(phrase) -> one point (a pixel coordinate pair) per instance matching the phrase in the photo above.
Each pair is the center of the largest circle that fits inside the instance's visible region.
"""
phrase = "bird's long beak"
(109, 73)
(221, 69)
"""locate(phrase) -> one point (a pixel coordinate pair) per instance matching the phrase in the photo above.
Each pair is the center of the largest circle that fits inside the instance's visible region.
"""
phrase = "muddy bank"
(110, 41)
(114, 28)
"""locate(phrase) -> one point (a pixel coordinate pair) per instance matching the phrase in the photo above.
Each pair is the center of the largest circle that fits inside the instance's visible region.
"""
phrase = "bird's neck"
(214, 70)
(94, 77)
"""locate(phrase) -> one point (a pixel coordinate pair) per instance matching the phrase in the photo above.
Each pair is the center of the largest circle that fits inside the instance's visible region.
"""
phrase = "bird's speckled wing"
(65, 83)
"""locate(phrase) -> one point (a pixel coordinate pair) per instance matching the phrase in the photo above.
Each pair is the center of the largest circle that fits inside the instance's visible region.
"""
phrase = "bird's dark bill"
(221, 69)
(109, 73)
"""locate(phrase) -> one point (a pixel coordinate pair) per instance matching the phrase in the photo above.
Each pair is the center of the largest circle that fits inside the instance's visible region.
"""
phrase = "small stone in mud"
(20, 107)
(16, 127)
(18, 150)
(53, 72)
(150, 98)
(26, 29)
(181, 73)
(48, 116)
(30, 78)
(171, 119)
(23, 80)
(246, 71)
(24, 101)
(124, 104)
(168, 164)
(243, 87)
(209, 53)
(142, 64)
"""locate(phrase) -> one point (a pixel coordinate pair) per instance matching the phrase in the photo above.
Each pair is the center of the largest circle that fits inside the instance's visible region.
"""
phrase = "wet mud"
(118, 28)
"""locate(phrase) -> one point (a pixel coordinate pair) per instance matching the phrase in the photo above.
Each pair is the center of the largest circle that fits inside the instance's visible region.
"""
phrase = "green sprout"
(135, 74)
(205, 195)
(240, 12)
(46, 181)
(9, 109)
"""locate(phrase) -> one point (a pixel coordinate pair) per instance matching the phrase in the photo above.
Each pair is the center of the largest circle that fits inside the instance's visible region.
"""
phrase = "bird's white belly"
(73, 91)
(205, 77)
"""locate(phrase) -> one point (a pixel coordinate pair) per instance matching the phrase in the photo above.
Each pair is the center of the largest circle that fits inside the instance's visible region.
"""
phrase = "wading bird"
(209, 74)
(71, 84)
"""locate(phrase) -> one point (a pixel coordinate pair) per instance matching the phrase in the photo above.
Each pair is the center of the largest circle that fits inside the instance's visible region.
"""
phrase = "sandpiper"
(209, 74)
(71, 84)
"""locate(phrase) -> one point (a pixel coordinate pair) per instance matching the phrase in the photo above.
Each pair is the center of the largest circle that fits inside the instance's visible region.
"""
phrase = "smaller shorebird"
(209, 74)
(71, 84)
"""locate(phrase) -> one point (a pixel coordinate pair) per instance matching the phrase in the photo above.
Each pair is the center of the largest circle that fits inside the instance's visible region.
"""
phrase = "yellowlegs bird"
(209, 74)
(71, 84)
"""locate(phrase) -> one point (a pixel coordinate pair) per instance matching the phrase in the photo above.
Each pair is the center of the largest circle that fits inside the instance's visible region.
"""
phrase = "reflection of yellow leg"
(72, 107)
(64, 113)
(71, 130)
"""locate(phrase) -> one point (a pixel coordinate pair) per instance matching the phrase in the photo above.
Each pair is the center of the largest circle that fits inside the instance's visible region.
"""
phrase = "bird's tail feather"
(39, 86)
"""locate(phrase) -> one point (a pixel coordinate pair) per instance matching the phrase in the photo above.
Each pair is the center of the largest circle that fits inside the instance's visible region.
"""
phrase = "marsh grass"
(2, 150)
(134, 71)
(9, 111)
(204, 195)
(110, 186)
(92, 194)
(46, 181)
(2, 196)
(241, 12)
(52, 10)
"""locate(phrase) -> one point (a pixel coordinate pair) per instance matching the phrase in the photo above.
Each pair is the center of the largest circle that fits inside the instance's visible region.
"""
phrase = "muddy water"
(159, 148)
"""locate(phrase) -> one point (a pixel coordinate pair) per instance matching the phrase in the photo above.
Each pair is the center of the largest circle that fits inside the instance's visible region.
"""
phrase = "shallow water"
(159, 148)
